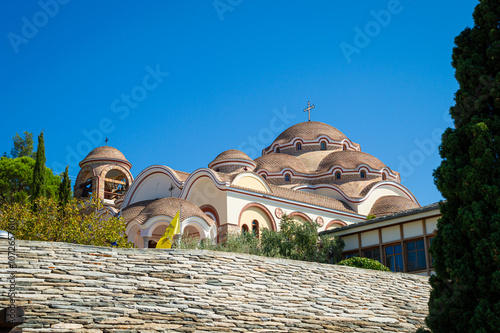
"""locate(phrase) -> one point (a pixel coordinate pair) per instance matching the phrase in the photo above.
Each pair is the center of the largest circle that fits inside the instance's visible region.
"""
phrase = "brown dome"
(391, 204)
(144, 210)
(309, 130)
(349, 159)
(105, 153)
(231, 155)
(275, 162)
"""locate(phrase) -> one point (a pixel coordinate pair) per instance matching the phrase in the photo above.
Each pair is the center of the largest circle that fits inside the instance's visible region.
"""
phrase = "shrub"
(364, 263)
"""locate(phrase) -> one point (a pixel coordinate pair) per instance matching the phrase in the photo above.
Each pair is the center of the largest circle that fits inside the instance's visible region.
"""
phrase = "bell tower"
(105, 174)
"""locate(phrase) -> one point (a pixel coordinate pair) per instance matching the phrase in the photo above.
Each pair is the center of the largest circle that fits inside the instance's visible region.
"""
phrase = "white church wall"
(351, 242)
(413, 229)
(204, 192)
(391, 234)
(153, 187)
(431, 224)
(369, 238)
(237, 201)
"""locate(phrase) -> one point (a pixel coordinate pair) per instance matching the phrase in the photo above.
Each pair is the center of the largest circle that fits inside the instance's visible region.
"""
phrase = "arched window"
(255, 228)
(264, 176)
(344, 147)
(299, 146)
(287, 177)
(323, 145)
(363, 174)
(278, 150)
(384, 177)
(337, 175)
(244, 228)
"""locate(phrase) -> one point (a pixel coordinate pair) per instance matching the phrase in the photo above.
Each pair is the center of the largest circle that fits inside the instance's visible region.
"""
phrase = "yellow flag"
(167, 239)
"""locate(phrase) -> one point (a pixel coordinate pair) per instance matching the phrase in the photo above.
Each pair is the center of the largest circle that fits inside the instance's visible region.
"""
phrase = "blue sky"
(178, 82)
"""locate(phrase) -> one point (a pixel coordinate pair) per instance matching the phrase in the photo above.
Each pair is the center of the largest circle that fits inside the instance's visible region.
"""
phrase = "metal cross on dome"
(106, 141)
(308, 109)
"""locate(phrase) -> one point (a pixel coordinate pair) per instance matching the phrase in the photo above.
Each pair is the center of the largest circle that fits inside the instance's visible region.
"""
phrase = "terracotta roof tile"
(164, 206)
(105, 152)
(276, 162)
(391, 204)
(349, 159)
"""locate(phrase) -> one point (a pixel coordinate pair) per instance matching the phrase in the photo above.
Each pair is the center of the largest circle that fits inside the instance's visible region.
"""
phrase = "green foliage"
(294, 241)
(65, 188)
(371, 217)
(22, 146)
(39, 184)
(16, 177)
(80, 222)
(361, 262)
(465, 294)
(300, 241)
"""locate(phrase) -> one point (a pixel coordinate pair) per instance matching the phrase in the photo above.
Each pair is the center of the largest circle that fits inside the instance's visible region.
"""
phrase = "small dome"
(275, 162)
(105, 154)
(232, 157)
(308, 130)
(391, 204)
(145, 210)
(349, 159)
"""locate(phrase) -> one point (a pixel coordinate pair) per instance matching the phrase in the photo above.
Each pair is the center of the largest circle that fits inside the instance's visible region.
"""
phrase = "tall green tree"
(16, 180)
(465, 293)
(22, 146)
(39, 184)
(65, 189)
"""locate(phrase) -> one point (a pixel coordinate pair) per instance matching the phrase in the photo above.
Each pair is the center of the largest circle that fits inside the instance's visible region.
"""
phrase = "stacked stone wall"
(74, 288)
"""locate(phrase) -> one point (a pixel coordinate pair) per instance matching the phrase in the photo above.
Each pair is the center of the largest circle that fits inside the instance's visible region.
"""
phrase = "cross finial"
(106, 141)
(308, 109)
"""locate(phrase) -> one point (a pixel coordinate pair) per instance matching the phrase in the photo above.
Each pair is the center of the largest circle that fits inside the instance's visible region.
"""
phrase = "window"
(323, 145)
(255, 228)
(244, 228)
(415, 252)
(299, 146)
(430, 244)
(337, 175)
(384, 177)
(287, 177)
(344, 147)
(264, 176)
(351, 254)
(363, 174)
(373, 253)
(278, 150)
(394, 257)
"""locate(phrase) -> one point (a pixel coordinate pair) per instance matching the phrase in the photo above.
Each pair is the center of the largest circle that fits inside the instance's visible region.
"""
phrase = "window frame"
(394, 255)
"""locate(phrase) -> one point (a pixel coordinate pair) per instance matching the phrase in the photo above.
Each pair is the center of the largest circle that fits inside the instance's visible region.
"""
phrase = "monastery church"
(311, 171)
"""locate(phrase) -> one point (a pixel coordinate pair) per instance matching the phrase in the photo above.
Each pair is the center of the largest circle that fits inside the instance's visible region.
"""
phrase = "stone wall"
(74, 288)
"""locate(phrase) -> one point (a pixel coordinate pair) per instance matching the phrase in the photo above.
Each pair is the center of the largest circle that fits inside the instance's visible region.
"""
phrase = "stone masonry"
(74, 288)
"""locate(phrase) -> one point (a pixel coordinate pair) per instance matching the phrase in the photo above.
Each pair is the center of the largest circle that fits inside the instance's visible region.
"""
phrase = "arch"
(262, 209)
(85, 183)
(384, 176)
(255, 228)
(300, 215)
(154, 176)
(337, 175)
(299, 146)
(287, 177)
(252, 181)
(322, 145)
(244, 228)
(198, 224)
(362, 174)
(332, 223)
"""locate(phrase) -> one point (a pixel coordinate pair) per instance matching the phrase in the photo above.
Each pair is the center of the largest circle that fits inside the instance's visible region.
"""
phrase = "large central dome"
(309, 130)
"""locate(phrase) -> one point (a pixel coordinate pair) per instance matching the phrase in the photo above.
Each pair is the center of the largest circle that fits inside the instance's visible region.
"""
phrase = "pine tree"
(65, 189)
(22, 146)
(465, 294)
(39, 184)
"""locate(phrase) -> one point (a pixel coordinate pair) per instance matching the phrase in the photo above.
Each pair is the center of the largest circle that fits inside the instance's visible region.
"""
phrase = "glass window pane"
(399, 262)
(412, 261)
(410, 246)
(420, 244)
(388, 250)
(421, 259)
(390, 263)
(397, 248)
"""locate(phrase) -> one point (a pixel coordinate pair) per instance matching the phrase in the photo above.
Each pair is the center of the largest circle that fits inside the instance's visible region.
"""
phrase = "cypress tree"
(465, 294)
(39, 185)
(65, 189)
